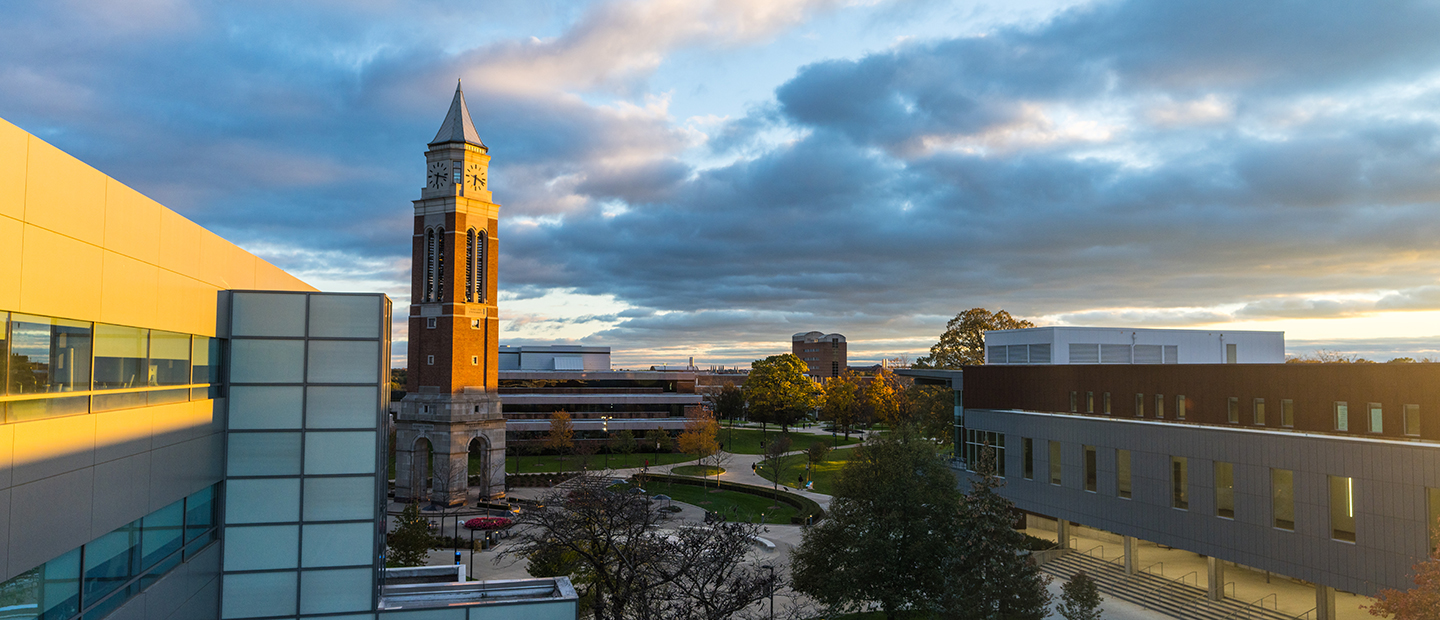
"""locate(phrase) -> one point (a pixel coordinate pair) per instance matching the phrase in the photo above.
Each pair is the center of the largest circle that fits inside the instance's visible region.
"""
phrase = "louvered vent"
(1114, 354)
(1039, 354)
(1018, 354)
(1148, 354)
(1084, 354)
(1172, 354)
(997, 355)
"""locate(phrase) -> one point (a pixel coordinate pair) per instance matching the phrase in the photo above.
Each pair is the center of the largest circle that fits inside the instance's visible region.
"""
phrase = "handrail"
(1232, 588)
(1305, 615)
(1259, 601)
(1102, 552)
(1197, 578)
(1160, 564)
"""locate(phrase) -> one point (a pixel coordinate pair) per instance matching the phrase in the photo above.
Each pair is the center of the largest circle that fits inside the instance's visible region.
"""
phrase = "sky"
(705, 178)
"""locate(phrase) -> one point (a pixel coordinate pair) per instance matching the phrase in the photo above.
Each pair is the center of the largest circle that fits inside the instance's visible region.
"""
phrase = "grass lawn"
(548, 463)
(825, 474)
(736, 506)
(747, 440)
(697, 470)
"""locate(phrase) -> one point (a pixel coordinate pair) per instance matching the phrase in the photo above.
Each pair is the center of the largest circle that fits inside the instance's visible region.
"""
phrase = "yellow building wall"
(77, 244)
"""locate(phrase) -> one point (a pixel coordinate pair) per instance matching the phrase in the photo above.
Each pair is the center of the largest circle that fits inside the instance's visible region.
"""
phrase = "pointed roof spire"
(457, 126)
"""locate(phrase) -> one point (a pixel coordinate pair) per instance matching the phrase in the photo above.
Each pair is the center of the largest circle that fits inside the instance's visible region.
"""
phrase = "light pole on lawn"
(772, 589)
(605, 426)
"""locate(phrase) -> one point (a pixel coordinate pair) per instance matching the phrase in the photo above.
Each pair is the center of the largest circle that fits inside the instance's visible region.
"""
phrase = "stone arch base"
(449, 422)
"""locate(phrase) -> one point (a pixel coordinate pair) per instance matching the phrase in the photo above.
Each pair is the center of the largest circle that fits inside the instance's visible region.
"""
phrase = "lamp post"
(605, 426)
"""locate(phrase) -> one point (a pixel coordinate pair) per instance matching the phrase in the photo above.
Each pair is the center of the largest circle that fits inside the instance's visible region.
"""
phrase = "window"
(1282, 498)
(1139, 405)
(1342, 508)
(1179, 483)
(1232, 410)
(1412, 421)
(120, 354)
(1122, 473)
(1180, 407)
(458, 169)
(1342, 416)
(976, 445)
(480, 237)
(430, 322)
(1230, 354)
(1258, 409)
(1224, 490)
(48, 355)
(1089, 402)
(1074, 402)
(1090, 476)
(1027, 450)
(1055, 463)
(474, 323)
(474, 360)
(1432, 504)
(1159, 405)
(430, 360)
(1107, 403)
(439, 293)
(1287, 413)
(428, 290)
(470, 266)
(1377, 418)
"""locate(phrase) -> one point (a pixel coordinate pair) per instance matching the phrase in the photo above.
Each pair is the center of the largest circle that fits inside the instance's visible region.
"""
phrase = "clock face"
(475, 176)
(439, 171)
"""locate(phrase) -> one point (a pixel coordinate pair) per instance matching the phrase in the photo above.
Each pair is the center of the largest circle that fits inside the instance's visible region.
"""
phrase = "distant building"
(537, 381)
(823, 353)
(1114, 345)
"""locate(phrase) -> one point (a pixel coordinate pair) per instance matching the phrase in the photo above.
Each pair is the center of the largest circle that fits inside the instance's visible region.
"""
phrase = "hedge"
(805, 508)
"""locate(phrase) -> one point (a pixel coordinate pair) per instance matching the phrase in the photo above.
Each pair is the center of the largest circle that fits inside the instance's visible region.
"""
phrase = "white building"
(1117, 345)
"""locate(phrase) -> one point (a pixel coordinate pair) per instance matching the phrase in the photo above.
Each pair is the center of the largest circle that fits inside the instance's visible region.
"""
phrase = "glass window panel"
(1180, 407)
(338, 544)
(337, 499)
(1027, 447)
(1412, 420)
(1074, 402)
(1055, 467)
(50, 591)
(4, 353)
(154, 573)
(1342, 508)
(103, 608)
(204, 360)
(22, 410)
(1282, 498)
(1224, 490)
(264, 406)
(344, 362)
(1122, 473)
(199, 513)
(1139, 405)
(339, 453)
(1259, 411)
(1179, 483)
(162, 533)
(263, 454)
(1232, 410)
(111, 560)
(344, 316)
(123, 400)
(267, 361)
(1091, 478)
(250, 595)
(275, 500)
(120, 354)
(335, 590)
(1342, 416)
(1089, 402)
(1377, 418)
(169, 358)
(342, 407)
(1159, 405)
(1287, 412)
(268, 314)
(163, 397)
(48, 355)
(1107, 403)
(262, 547)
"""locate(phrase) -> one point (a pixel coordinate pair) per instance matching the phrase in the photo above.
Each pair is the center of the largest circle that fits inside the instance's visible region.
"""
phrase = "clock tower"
(451, 413)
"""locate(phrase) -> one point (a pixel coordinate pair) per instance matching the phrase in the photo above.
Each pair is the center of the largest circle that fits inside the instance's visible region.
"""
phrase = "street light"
(605, 425)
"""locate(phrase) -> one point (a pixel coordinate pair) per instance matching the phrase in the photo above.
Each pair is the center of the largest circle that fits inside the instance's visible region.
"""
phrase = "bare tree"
(610, 542)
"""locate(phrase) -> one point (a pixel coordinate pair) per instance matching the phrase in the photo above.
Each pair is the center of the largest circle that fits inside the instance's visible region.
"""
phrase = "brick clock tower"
(451, 411)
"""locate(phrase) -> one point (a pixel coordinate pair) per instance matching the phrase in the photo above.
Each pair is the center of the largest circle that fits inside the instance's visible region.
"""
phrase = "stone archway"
(451, 423)
(480, 455)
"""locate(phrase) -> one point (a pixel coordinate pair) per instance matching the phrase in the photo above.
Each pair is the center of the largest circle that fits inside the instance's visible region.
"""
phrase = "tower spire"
(457, 126)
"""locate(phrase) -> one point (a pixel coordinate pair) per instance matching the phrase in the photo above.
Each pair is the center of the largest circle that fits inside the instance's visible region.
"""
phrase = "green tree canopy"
(963, 343)
(892, 525)
(1000, 582)
(409, 544)
(1080, 598)
(728, 402)
(842, 402)
(779, 391)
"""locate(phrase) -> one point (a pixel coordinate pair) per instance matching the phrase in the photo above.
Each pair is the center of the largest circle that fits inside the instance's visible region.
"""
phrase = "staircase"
(1168, 596)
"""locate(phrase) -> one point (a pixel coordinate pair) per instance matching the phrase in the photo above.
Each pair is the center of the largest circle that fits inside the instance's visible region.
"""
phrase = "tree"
(698, 438)
(774, 452)
(963, 343)
(409, 544)
(1080, 598)
(728, 402)
(624, 442)
(842, 401)
(931, 408)
(817, 452)
(562, 433)
(1421, 602)
(625, 566)
(890, 534)
(1001, 582)
(779, 391)
(879, 399)
(660, 439)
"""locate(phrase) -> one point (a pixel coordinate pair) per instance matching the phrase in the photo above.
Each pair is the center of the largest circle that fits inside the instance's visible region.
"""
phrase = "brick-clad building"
(823, 353)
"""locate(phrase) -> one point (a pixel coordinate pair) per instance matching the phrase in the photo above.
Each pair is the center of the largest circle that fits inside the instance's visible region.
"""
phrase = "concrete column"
(1324, 602)
(1215, 568)
(1062, 533)
(1132, 560)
